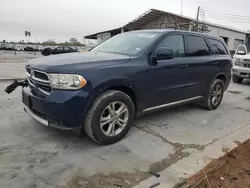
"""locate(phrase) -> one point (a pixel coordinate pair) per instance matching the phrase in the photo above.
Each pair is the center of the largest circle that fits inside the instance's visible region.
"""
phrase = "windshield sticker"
(150, 36)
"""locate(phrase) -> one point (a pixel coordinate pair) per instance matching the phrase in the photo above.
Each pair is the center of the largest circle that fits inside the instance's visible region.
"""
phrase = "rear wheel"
(110, 117)
(237, 79)
(214, 95)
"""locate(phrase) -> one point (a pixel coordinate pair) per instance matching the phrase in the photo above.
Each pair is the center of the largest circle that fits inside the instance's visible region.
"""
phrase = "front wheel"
(214, 95)
(110, 117)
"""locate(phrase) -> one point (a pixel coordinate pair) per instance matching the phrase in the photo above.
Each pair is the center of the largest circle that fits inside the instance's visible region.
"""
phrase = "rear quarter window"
(218, 47)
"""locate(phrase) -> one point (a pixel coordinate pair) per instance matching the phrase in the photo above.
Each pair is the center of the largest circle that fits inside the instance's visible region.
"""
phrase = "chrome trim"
(40, 80)
(35, 117)
(171, 104)
(43, 91)
(40, 83)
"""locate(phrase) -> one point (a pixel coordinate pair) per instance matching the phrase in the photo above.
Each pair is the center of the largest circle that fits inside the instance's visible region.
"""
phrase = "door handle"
(215, 63)
(183, 66)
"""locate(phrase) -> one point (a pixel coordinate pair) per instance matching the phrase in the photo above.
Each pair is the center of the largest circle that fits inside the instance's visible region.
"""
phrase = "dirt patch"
(235, 92)
(113, 180)
(230, 171)
(123, 179)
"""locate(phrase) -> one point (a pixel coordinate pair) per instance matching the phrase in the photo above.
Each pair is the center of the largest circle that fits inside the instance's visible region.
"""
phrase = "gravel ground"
(33, 156)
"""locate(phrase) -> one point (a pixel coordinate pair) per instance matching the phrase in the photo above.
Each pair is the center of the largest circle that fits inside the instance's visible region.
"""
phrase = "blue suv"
(103, 90)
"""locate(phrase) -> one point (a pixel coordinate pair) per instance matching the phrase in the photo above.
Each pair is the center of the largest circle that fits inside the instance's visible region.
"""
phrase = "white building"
(154, 19)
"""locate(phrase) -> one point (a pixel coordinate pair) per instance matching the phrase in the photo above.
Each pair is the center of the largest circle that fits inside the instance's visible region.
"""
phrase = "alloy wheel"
(114, 118)
(216, 95)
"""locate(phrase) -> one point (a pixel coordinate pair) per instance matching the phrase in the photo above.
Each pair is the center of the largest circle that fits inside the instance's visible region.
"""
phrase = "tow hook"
(15, 84)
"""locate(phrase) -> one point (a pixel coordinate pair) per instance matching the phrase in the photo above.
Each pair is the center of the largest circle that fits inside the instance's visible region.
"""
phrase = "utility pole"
(197, 17)
(181, 7)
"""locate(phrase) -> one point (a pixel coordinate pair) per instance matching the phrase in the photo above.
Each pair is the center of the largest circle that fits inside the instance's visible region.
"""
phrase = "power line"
(225, 16)
(226, 13)
(229, 18)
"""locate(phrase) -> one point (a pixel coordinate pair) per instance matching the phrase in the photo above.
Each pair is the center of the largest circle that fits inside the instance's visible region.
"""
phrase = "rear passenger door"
(199, 62)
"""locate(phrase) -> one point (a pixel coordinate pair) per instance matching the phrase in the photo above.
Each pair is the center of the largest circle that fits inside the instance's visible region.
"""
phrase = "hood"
(247, 56)
(74, 62)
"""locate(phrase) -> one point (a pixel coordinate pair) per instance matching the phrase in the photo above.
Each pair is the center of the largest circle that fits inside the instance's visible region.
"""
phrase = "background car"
(59, 50)
(241, 64)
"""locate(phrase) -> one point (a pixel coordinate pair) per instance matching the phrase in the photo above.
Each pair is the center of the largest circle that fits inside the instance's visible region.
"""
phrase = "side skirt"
(151, 109)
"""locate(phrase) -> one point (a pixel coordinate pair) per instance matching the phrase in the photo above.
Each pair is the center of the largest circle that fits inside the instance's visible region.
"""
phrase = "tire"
(237, 79)
(104, 104)
(209, 102)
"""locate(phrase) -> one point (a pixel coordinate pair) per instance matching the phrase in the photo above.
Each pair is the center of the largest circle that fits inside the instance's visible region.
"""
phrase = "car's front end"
(60, 87)
(241, 67)
(53, 99)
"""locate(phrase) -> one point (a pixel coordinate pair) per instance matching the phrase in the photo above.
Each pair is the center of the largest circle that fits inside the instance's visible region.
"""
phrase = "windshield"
(130, 43)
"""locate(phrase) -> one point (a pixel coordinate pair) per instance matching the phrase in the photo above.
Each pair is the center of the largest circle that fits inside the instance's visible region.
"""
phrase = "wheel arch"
(223, 78)
(119, 85)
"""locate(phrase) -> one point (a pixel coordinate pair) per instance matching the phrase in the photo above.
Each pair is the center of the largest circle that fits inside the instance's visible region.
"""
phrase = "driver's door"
(168, 77)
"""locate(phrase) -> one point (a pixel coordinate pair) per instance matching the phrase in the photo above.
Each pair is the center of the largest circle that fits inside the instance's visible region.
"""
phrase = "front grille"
(246, 60)
(41, 76)
(246, 65)
(38, 80)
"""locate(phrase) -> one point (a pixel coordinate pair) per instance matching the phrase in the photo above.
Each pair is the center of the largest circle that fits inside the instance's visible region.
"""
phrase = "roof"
(153, 14)
(94, 36)
(149, 16)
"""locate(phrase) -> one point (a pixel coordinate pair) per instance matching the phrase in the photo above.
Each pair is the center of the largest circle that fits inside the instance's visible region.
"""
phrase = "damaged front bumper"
(61, 109)
(36, 117)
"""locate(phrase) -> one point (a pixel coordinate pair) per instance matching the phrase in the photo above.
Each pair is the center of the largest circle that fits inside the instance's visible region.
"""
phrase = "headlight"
(237, 62)
(67, 81)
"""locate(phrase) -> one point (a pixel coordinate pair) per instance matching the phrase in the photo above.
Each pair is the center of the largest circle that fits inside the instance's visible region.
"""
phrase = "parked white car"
(241, 64)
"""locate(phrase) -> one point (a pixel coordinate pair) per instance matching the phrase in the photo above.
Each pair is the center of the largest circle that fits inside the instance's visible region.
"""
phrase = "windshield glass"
(130, 43)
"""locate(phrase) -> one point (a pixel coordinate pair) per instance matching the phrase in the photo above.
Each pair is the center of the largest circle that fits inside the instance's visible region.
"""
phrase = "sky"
(60, 20)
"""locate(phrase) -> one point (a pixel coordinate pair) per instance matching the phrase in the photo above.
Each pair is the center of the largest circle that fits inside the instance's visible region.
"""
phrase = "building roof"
(94, 36)
(149, 16)
(153, 14)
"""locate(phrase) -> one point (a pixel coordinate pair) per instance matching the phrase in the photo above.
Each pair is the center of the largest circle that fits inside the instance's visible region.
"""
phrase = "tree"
(26, 34)
(49, 42)
(29, 34)
(73, 40)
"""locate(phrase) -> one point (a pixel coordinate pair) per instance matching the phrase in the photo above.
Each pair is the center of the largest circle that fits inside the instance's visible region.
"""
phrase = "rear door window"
(197, 46)
(218, 47)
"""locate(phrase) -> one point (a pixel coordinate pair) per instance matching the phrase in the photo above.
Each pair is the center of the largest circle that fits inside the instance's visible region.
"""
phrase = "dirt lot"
(230, 171)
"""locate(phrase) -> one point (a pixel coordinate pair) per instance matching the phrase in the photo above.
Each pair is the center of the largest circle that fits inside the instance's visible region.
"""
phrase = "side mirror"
(163, 54)
(241, 53)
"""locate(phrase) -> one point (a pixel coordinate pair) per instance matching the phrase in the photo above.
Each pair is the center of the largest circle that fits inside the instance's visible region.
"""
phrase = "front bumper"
(61, 109)
(241, 72)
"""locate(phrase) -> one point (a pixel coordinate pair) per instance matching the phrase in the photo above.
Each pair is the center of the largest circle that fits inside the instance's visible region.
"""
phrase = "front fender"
(113, 83)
